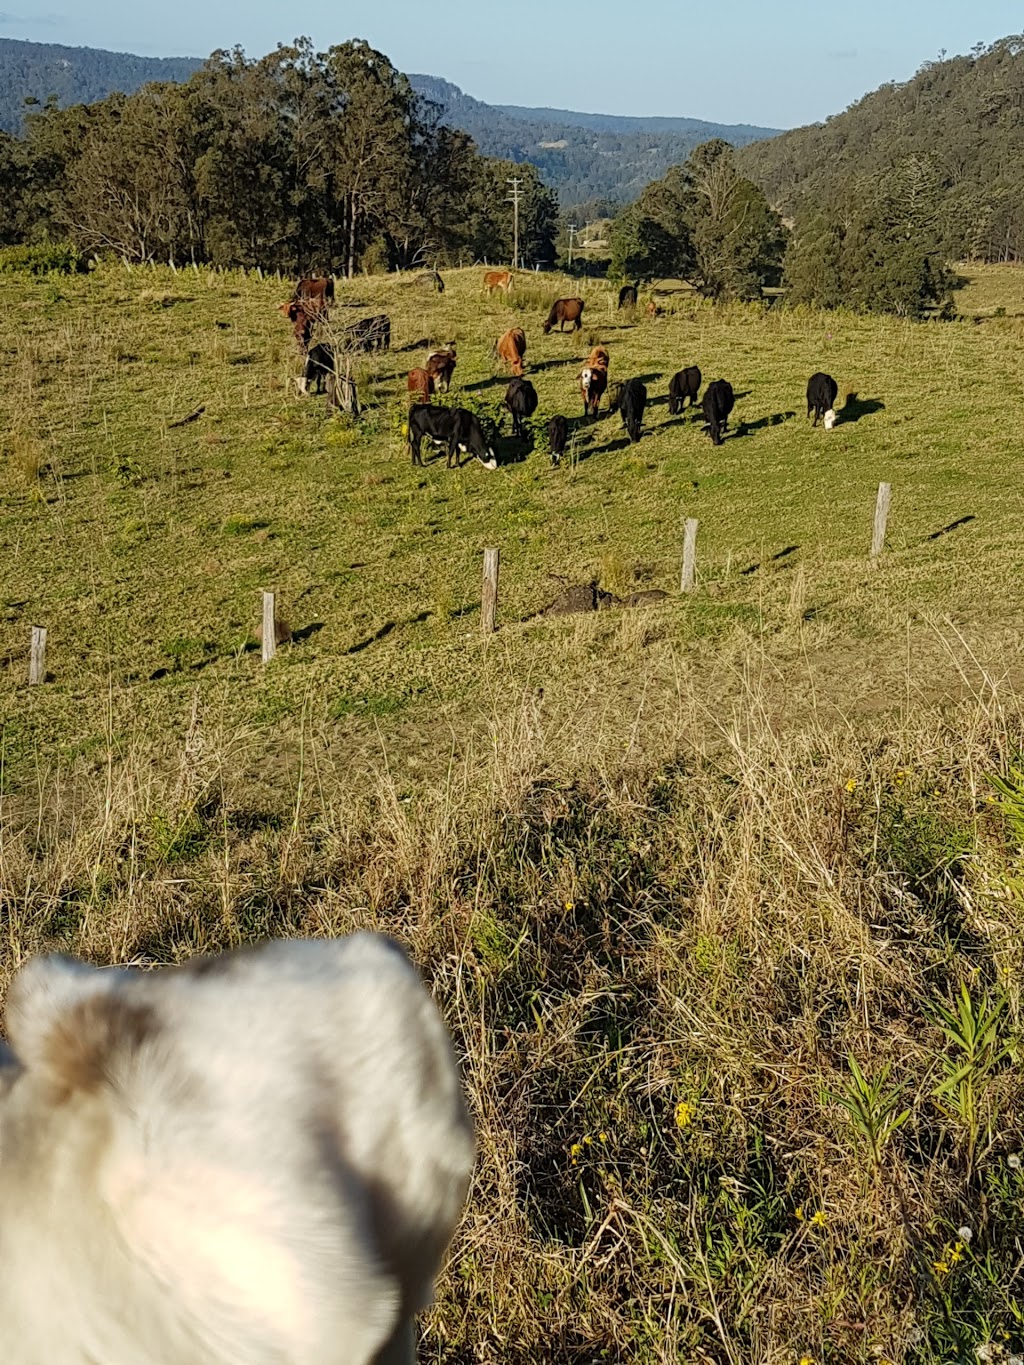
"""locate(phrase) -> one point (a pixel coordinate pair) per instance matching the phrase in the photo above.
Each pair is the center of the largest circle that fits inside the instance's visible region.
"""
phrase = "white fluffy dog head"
(257, 1157)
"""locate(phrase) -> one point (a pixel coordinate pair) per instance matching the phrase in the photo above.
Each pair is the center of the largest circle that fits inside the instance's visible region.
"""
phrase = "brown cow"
(598, 356)
(653, 310)
(498, 279)
(563, 311)
(511, 349)
(302, 328)
(421, 386)
(593, 383)
(316, 295)
(441, 365)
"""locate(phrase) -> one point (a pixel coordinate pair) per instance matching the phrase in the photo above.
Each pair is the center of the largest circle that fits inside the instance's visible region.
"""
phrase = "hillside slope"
(965, 114)
(582, 156)
(76, 75)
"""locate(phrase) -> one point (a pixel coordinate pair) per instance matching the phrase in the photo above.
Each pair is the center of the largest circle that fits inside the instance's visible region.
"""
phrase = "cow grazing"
(369, 334)
(593, 383)
(717, 405)
(632, 401)
(563, 311)
(441, 365)
(320, 365)
(254, 1157)
(682, 386)
(316, 295)
(452, 429)
(511, 348)
(598, 356)
(420, 385)
(521, 401)
(498, 279)
(628, 295)
(558, 436)
(821, 399)
(302, 323)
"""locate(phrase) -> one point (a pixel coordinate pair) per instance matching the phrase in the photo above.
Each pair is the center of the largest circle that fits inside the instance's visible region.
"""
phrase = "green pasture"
(143, 547)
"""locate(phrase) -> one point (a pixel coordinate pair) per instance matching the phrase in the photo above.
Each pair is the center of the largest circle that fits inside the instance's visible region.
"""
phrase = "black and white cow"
(453, 429)
(821, 399)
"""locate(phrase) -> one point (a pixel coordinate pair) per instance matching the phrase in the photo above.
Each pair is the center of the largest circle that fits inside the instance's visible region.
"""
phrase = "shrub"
(59, 258)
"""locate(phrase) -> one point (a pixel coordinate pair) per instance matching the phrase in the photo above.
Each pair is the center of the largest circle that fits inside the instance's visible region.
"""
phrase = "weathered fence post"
(881, 518)
(489, 604)
(269, 628)
(37, 656)
(690, 555)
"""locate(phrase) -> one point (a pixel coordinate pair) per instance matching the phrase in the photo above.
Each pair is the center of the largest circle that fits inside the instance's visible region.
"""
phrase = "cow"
(302, 323)
(717, 405)
(682, 386)
(593, 383)
(599, 356)
(420, 386)
(316, 295)
(628, 295)
(511, 348)
(563, 311)
(653, 310)
(521, 401)
(498, 279)
(632, 401)
(320, 365)
(254, 1157)
(558, 435)
(431, 278)
(821, 399)
(369, 334)
(441, 365)
(452, 429)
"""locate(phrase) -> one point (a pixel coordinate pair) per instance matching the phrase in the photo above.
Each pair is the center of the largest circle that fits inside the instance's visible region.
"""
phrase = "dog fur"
(254, 1159)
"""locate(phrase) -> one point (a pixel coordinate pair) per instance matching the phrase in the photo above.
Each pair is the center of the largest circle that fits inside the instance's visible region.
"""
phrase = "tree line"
(300, 161)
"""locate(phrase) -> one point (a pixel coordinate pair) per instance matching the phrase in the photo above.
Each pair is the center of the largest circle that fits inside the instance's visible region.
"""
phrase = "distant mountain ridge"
(585, 157)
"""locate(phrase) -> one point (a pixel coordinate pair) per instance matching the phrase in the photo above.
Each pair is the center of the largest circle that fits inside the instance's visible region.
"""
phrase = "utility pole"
(573, 229)
(514, 196)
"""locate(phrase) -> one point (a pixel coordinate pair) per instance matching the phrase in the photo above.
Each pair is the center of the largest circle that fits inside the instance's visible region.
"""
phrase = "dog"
(253, 1158)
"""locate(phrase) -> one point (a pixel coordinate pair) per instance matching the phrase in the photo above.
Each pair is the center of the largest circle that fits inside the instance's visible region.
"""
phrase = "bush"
(59, 258)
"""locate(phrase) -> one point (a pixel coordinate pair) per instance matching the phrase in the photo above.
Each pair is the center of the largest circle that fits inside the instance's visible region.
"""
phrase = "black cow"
(627, 295)
(453, 429)
(682, 386)
(370, 334)
(718, 403)
(821, 399)
(319, 368)
(558, 435)
(521, 401)
(632, 401)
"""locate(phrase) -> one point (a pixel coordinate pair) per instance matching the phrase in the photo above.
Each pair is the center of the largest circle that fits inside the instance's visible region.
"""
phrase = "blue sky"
(738, 61)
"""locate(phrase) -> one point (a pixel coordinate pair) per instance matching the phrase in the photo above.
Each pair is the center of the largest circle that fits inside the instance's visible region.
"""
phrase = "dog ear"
(71, 1024)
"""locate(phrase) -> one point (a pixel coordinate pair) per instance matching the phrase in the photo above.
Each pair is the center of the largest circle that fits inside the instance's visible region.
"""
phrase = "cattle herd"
(460, 432)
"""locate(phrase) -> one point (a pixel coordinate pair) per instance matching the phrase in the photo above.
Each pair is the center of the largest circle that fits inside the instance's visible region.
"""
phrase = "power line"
(573, 229)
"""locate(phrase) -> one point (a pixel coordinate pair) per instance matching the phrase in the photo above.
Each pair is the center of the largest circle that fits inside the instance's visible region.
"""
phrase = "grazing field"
(693, 881)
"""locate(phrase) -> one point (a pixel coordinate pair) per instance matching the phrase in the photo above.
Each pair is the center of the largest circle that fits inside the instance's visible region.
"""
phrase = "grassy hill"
(667, 868)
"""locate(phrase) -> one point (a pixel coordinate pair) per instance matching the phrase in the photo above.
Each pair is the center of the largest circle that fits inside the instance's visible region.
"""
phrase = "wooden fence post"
(881, 518)
(690, 555)
(489, 604)
(269, 628)
(37, 657)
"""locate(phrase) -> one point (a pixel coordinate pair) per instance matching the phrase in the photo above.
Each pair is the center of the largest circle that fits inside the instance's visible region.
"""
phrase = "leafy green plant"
(977, 1047)
(59, 258)
(873, 1110)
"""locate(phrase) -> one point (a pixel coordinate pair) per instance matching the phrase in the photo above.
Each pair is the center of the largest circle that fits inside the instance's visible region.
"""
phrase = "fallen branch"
(192, 417)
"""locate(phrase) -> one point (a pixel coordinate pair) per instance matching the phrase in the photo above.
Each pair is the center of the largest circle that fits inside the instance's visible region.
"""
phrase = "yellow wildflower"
(807, 1360)
(957, 1254)
(851, 786)
(602, 1137)
(820, 1219)
(570, 905)
(798, 1213)
(940, 1267)
(575, 1150)
(587, 1140)
(684, 1114)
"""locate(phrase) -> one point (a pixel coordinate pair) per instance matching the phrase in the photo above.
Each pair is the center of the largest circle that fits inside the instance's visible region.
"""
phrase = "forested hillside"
(955, 132)
(587, 158)
(75, 75)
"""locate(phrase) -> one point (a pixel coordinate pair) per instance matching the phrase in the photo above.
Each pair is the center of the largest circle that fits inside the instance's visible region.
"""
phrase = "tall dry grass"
(698, 994)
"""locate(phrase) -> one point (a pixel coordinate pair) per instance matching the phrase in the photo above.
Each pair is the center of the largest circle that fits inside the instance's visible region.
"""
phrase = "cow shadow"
(775, 420)
(307, 631)
(612, 446)
(385, 630)
(552, 364)
(485, 384)
(856, 407)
